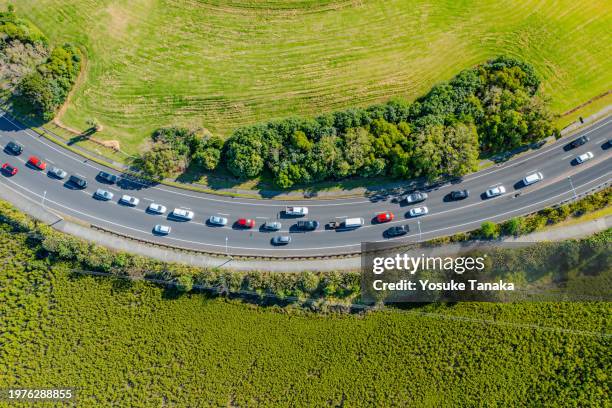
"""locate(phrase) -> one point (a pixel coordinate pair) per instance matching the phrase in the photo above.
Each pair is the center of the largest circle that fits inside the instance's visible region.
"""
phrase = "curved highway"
(563, 178)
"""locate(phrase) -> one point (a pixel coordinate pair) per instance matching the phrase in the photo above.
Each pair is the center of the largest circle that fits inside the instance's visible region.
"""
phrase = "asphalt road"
(444, 217)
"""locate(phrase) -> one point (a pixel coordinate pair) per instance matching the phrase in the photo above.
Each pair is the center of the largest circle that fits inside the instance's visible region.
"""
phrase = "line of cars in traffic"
(181, 214)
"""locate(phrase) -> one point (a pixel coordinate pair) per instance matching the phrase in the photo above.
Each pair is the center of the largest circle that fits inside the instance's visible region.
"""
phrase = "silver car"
(162, 229)
(415, 197)
(217, 220)
(58, 173)
(272, 226)
(103, 194)
(281, 240)
(495, 191)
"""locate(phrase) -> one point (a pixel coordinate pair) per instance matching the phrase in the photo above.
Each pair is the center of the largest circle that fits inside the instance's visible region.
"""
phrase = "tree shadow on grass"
(83, 136)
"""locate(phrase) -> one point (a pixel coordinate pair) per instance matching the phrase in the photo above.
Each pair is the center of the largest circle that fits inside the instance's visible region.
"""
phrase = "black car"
(14, 148)
(307, 225)
(78, 181)
(397, 231)
(459, 195)
(107, 177)
(575, 143)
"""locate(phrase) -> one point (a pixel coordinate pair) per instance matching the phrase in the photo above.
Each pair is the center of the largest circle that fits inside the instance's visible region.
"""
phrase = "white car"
(217, 220)
(584, 157)
(103, 194)
(298, 211)
(162, 229)
(58, 173)
(533, 178)
(129, 200)
(418, 211)
(182, 214)
(156, 208)
(495, 191)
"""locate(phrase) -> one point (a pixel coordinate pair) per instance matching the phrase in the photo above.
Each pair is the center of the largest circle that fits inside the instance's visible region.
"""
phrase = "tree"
(207, 158)
(489, 230)
(513, 226)
(34, 92)
(459, 149)
(244, 153)
(159, 163)
(299, 140)
(356, 148)
(427, 158)
(94, 124)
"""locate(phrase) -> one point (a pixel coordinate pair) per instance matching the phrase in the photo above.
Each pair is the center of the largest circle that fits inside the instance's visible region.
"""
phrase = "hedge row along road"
(562, 179)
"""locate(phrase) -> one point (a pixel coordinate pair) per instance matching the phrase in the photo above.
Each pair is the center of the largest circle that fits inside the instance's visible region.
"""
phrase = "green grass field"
(135, 345)
(225, 63)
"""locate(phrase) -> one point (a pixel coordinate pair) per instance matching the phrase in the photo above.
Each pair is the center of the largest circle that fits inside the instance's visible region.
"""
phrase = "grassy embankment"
(230, 63)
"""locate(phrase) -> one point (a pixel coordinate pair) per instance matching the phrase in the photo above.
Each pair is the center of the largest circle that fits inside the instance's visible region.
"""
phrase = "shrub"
(513, 227)
(489, 230)
(184, 283)
(308, 282)
(159, 162)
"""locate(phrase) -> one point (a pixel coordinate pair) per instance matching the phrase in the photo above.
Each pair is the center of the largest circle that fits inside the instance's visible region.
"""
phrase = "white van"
(353, 222)
(533, 178)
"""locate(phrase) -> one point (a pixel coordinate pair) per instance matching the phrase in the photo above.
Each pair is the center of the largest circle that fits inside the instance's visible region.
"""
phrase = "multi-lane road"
(562, 180)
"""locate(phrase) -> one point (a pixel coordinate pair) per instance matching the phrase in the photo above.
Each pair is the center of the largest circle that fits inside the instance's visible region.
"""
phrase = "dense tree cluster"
(490, 108)
(176, 148)
(13, 28)
(46, 89)
(43, 84)
(22, 48)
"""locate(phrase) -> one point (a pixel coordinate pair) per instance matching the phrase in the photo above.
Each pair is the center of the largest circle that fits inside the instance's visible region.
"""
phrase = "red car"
(246, 223)
(36, 162)
(8, 169)
(384, 216)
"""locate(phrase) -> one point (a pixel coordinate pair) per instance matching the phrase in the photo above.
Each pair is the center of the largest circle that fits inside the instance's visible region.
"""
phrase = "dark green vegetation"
(491, 108)
(175, 149)
(36, 77)
(137, 345)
